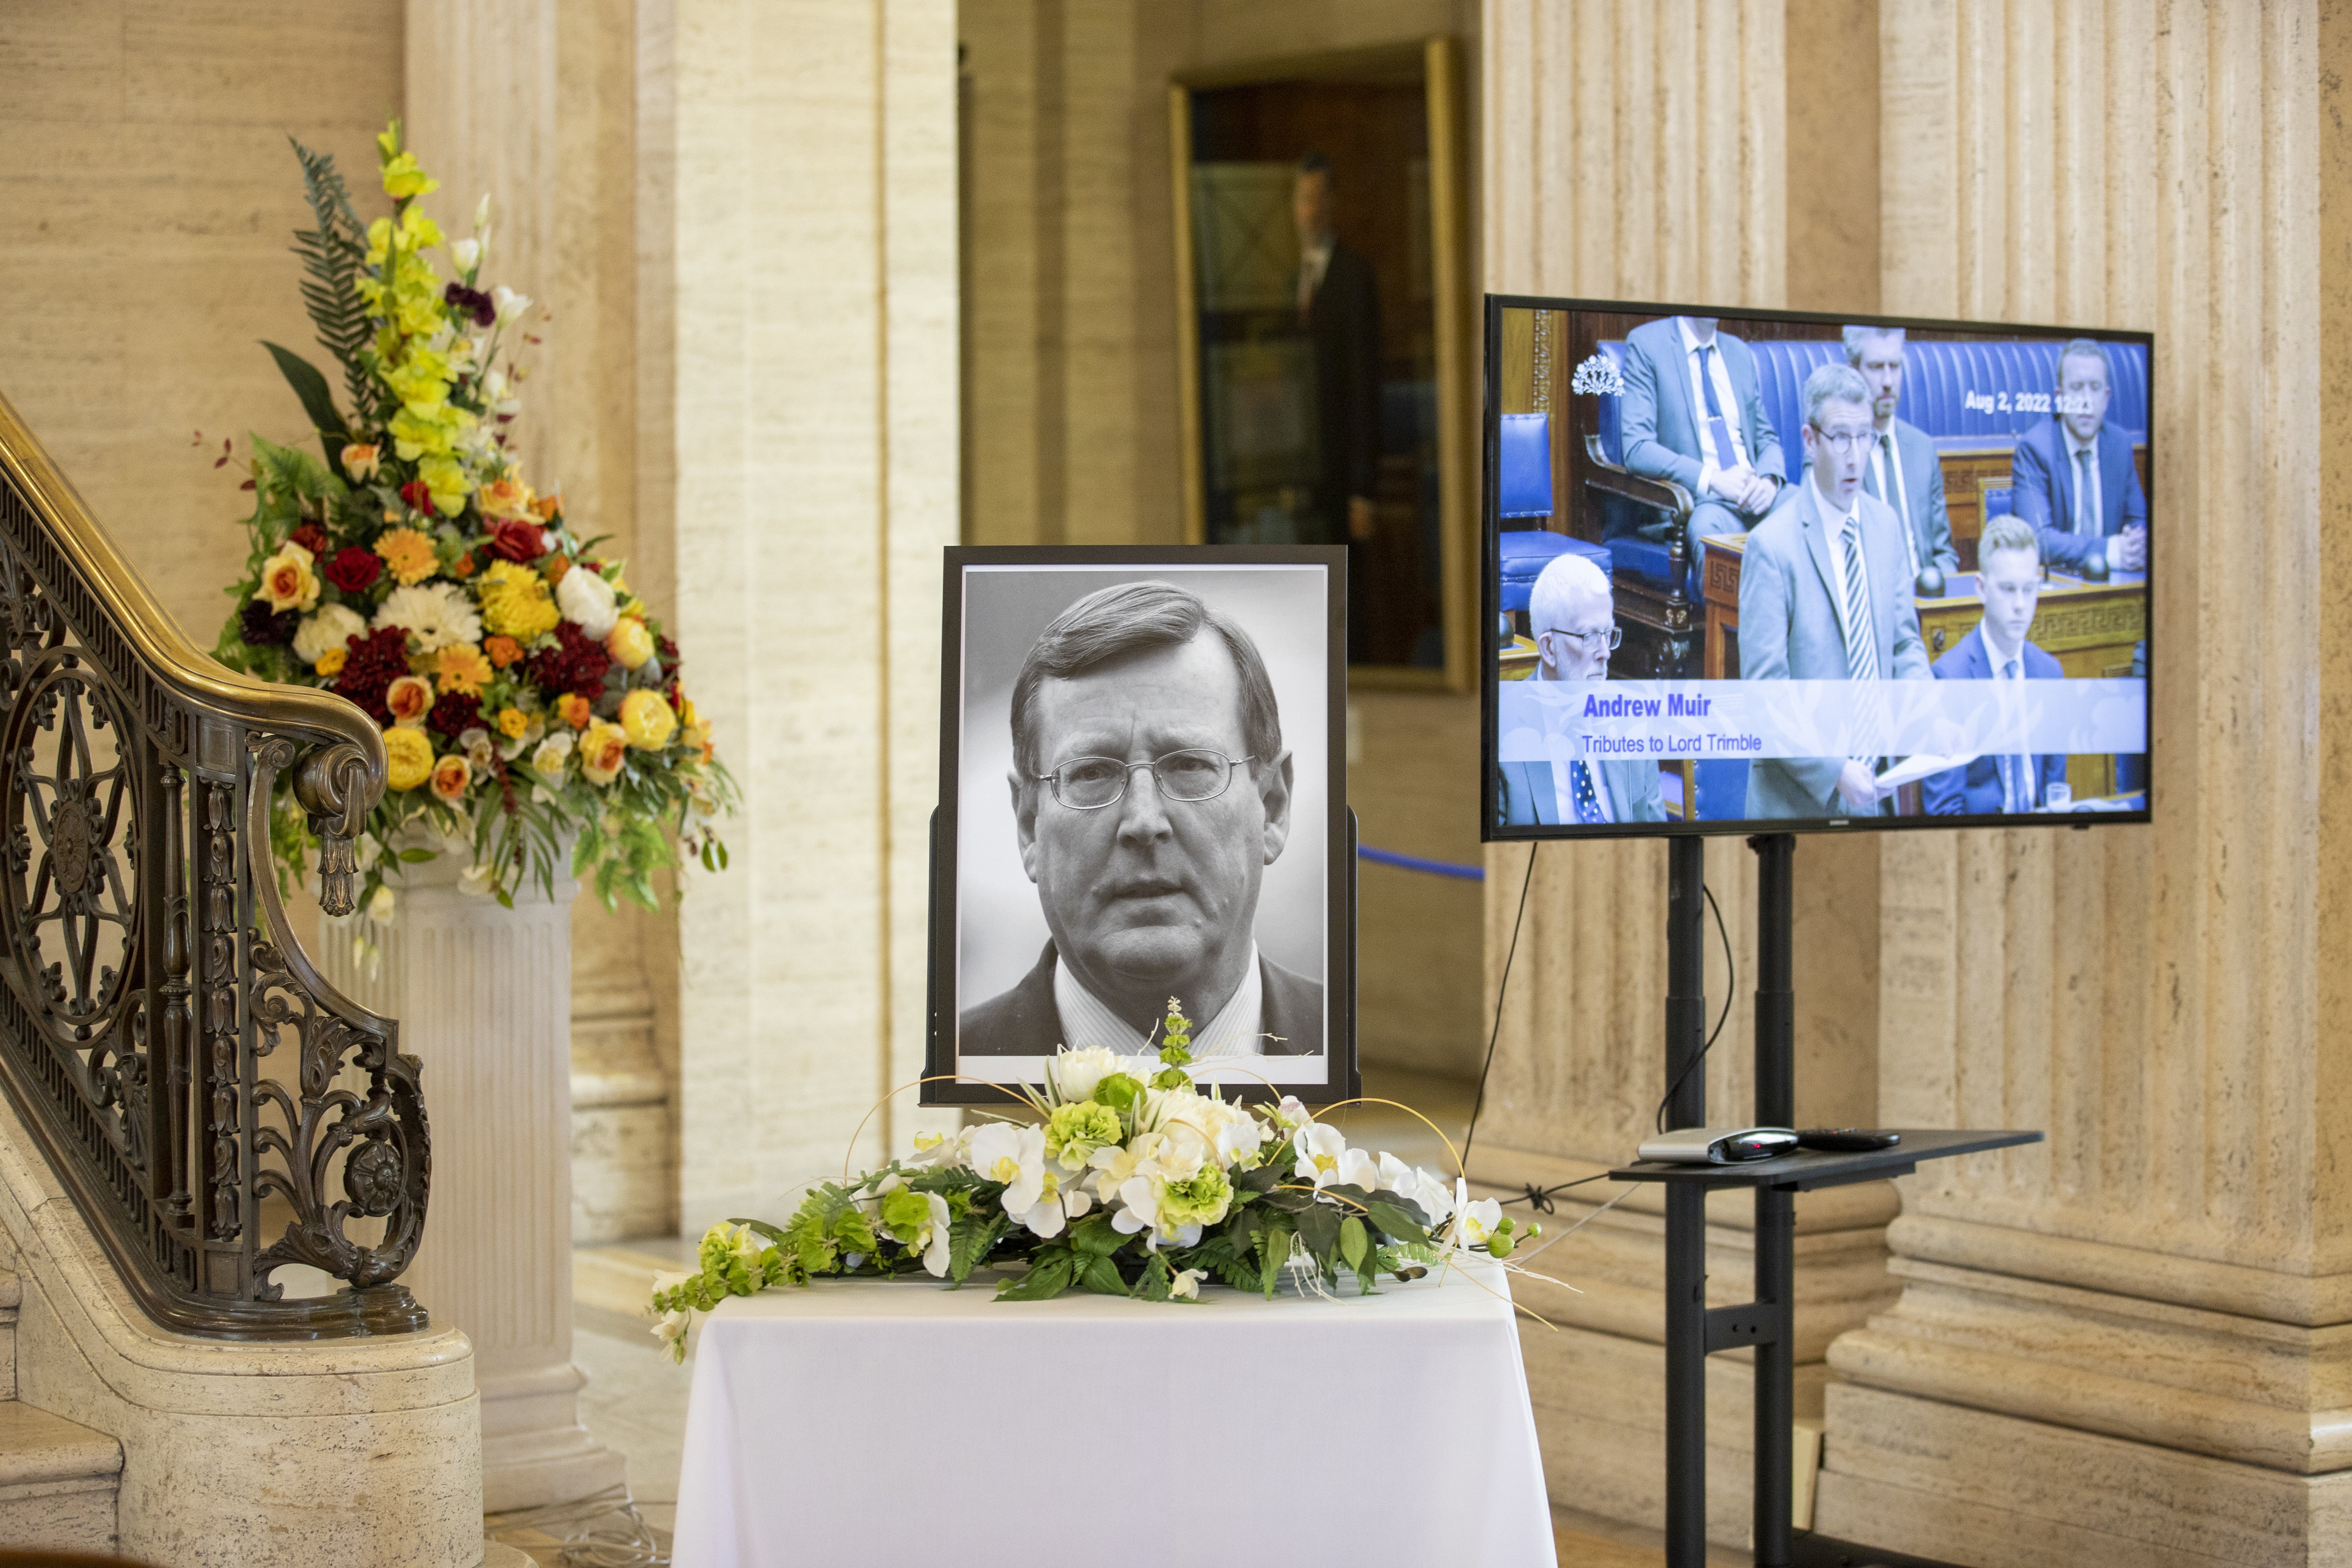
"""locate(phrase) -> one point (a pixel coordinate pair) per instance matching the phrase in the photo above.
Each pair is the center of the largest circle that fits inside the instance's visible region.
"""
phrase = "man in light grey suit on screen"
(1574, 618)
(1825, 595)
(1693, 412)
(1904, 471)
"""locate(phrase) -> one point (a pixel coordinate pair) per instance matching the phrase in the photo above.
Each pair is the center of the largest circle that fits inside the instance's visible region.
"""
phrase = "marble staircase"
(58, 1479)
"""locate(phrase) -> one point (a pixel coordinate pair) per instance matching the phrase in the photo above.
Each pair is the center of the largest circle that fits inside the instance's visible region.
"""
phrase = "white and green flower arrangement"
(1132, 1182)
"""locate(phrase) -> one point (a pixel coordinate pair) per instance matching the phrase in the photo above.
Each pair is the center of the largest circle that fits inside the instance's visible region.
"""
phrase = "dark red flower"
(483, 309)
(262, 628)
(313, 538)
(354, 569)
(455, 712)
(575, 664)
(671, 664)
(517, 541)
(375, 659)
(417, 494)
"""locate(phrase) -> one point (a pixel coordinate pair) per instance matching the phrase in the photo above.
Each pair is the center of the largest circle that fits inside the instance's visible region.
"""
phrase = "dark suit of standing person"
(1905, 470)
(1339, 311)
(1574, 618)
(2073, 477)
(1693, 412)
(1825, 595)
(2009, 577)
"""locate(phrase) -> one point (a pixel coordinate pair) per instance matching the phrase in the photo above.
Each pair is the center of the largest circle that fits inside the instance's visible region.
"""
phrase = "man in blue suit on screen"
(2073, 478)
(2009, 575)
(1904, 471)
(1693, 412)
(1574, 619)
(1825, 595)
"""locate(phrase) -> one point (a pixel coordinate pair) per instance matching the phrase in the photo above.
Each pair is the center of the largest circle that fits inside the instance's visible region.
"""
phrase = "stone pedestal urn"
(483, 996)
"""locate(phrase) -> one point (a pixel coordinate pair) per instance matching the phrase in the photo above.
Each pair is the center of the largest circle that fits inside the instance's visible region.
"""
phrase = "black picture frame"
(945, 1083)
(1490, 573)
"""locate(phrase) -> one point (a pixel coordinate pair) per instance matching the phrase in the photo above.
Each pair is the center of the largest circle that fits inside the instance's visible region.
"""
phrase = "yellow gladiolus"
(402, 179)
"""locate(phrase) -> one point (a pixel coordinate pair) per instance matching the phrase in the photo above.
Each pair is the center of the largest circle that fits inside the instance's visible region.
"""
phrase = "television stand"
(1766, 1324)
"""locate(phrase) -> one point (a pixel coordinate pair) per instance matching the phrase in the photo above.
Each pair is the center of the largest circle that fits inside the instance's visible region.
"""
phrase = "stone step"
(57, 1480)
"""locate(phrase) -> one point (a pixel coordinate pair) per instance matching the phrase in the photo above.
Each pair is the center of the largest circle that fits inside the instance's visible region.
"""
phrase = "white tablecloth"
(872, 1422)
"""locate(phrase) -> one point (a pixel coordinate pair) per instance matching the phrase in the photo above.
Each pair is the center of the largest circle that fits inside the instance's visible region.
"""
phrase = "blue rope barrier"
(1415, 863)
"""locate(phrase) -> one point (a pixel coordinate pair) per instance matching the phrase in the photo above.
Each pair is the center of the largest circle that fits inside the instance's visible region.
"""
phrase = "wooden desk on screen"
(2090, 628)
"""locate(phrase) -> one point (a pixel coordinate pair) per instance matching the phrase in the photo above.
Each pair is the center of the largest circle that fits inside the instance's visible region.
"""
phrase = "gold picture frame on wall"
(1323, 336)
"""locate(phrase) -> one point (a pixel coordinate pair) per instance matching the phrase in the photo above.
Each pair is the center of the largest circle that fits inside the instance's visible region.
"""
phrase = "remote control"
(1845, 1140)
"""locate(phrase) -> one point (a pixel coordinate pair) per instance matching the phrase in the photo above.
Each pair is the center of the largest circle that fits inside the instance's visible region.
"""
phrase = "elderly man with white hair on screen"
(1574, 618)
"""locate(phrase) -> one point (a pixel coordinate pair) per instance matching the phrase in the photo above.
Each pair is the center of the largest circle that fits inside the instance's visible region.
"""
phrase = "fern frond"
(334, 254)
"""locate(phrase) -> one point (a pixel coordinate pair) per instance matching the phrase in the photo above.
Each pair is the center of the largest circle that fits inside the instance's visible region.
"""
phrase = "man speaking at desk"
(1574, 619)
(1150, 790)
(1825, 595)
(2073, 477)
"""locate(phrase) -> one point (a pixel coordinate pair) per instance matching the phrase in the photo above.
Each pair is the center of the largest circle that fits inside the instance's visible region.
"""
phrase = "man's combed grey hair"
(2087, 348)
(1856, 336)
(1131, 618)
(1552, 601)
(1833, 382)
(2009, 531)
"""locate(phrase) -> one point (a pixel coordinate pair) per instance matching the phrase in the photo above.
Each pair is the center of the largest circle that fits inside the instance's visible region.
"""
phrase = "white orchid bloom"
(1186, 1285)
(1359, 1169)
(1479, 1222)
(932, 1239)
(1001, 1151)
(1113, 1167)
(1239, 1140)
(1057, 1206)
(1321, 1148)
(942, 1151)
(1291, 1114)
(1139, 1196)
(1429, 1189)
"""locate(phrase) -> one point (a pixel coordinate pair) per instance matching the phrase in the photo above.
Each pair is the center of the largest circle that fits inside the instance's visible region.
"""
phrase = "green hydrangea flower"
(1200, 1200)
(1074, 1131)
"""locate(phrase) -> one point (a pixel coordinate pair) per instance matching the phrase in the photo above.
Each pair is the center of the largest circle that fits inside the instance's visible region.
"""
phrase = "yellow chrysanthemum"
(513, 724)
(462, 668)
(515, 602)
(407, 553)
(331, 661)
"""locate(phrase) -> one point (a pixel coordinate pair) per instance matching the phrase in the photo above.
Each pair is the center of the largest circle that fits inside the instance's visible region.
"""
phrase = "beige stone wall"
(151, 198)
(806, 405)
(1075, 437)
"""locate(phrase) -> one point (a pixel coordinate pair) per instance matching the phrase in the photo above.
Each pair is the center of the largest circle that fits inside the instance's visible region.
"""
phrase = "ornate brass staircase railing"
(190, 1075)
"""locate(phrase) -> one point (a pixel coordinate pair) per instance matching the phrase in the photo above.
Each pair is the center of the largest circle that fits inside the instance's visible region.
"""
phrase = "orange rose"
(287, 581)
(410, 699)
(451, 775)
(547, 507)
(503, 650)
(557, 568)
(574, 709)
(462, 568)
(360, 462)
(508, 496)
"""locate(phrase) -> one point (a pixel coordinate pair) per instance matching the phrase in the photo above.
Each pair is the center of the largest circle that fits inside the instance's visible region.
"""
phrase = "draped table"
(898, 1422)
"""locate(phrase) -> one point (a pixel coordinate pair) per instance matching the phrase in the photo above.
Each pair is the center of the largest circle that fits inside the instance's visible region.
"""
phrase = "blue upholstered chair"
(1524, 506)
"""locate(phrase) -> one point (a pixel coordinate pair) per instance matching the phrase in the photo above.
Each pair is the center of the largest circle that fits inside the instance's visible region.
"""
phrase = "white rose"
(331, 627)
(588, 603)
(1073, 1075)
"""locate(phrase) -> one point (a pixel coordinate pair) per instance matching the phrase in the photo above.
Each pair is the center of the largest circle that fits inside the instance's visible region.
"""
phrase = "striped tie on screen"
(1861, 636)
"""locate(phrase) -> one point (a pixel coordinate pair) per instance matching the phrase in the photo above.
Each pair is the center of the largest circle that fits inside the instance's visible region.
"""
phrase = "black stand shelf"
(1694, 1330)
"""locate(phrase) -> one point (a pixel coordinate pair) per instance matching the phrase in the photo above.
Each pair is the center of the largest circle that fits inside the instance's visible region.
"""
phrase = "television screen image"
(1785, 570)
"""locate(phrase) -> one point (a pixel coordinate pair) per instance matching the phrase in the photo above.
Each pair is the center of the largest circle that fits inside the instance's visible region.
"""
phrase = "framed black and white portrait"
(1143, 795)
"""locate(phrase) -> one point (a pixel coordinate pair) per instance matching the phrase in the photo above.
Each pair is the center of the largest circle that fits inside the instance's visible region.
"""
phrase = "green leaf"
(761, 1227)
(1354, 1243)
(1049, 1274)
(1156, 1283)
(1319, 1226)
(317, 400)
(1398, 1220)
(1272, 1248)
(1096, 1236)
(334, 254)
(1101, 1276)
(1119, 1090)
(415, 856)
(970, 1240)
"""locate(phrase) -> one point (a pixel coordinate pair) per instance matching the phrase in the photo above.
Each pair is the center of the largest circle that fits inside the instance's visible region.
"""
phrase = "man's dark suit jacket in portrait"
(1024, 1022)
(1975, 790)
(1344, 324)
(2041, 491)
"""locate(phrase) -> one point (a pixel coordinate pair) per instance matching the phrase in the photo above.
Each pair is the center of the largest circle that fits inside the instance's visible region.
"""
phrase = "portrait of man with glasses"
(1152, 791)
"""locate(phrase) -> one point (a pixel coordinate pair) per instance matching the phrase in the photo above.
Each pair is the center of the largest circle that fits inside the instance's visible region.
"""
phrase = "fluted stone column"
(2128, 1344)
(483, 996)
(1636, 152)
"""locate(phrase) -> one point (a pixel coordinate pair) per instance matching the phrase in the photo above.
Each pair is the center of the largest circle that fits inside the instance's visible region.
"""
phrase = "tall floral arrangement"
(527, 696)
(1130, 1181)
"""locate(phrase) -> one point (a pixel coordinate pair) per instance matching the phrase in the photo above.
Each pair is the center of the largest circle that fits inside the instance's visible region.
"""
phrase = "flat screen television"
(1786, 571)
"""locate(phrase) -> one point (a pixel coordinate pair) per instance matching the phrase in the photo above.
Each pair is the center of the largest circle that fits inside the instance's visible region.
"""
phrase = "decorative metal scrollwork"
(215, 1110)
